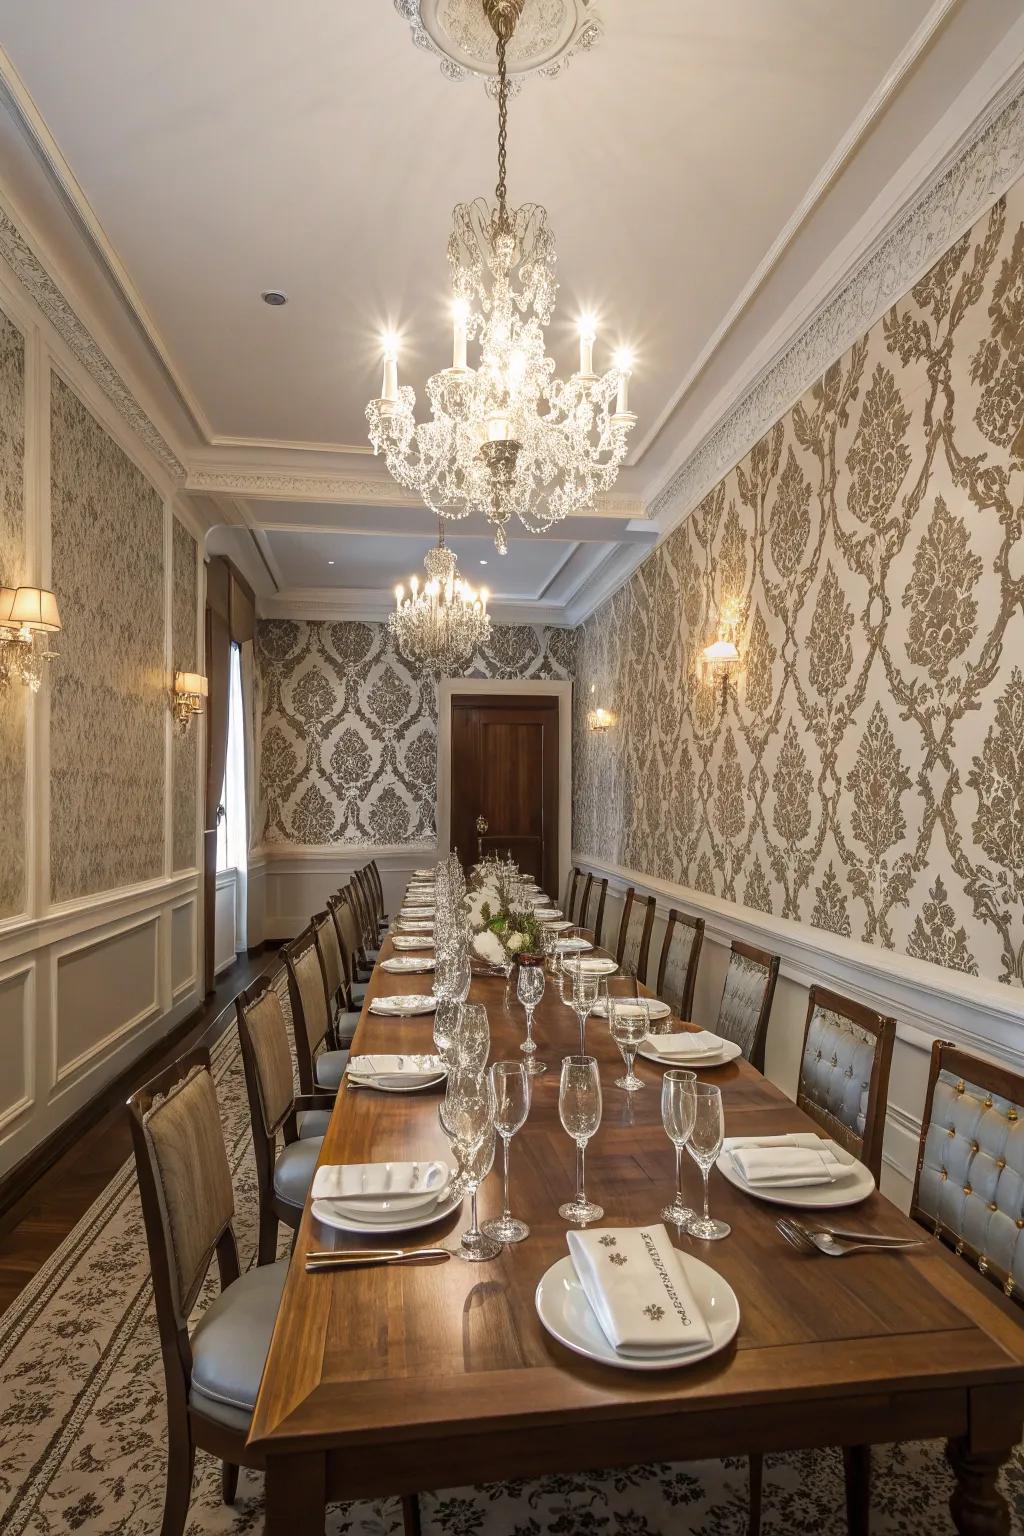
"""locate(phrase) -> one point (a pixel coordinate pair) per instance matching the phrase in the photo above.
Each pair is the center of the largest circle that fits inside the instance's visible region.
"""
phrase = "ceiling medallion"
(548, 35)
(441, 626)
(506, 438)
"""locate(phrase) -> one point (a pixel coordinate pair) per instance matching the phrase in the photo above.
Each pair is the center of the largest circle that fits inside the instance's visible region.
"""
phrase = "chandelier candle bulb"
(459, 318)
(389, 391)
(587, 338)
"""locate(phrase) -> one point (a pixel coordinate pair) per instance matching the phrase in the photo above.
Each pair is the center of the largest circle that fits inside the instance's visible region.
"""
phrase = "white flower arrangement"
(489, 948)
(515, 942)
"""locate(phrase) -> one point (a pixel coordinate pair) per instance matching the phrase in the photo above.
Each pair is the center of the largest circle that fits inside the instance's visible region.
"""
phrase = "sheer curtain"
(232, 829)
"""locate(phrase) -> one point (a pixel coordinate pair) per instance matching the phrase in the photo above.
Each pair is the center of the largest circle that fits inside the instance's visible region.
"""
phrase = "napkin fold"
(349, 1181)
(786, 1162)
(398, 1005)
(395, 1069)
(636, 1284)
(685, 1044)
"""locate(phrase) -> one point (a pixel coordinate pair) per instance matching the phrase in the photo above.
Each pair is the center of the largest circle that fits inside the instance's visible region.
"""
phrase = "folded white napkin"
(636, 1284)
(416, 912)
(383, 1181)
(685, 1044)
(788, 1161)
(413, 1002)
(412, 941)
(407, 1069)
(594, 965)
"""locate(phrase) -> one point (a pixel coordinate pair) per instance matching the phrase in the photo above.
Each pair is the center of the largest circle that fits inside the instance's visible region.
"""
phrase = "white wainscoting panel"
(17, 1007)
(298, 881)
(102, 989)
(224, 936)
(927, 1002)
(184, 945)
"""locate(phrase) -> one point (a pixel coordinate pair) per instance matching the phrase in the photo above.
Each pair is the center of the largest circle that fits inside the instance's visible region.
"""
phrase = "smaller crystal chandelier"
(442, 625)
(28, 620)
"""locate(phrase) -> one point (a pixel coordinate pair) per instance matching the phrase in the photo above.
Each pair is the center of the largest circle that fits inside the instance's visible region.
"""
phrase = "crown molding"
(931, 205)
(340, 604)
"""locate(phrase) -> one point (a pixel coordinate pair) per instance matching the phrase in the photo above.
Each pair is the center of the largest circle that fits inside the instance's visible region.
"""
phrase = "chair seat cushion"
(312, 1122)
(359, 990)
(345, 1024)
(293, 1170)
(329, 1068)
(230, 1343)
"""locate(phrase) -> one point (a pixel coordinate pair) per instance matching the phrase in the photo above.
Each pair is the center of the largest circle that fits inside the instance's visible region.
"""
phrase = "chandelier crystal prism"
(441, 626)
(507, 438)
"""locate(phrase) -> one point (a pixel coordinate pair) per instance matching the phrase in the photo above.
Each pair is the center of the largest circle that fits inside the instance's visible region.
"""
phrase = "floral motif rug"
(82, 1421)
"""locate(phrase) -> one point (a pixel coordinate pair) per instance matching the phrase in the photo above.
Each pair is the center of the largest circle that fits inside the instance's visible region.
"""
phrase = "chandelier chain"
(500, 189)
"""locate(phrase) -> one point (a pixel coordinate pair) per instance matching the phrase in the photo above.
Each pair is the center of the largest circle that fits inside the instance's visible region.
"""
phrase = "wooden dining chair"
(300, 1120)
(212, 1374)
(641, 931)
(581, 915)
(844, 1073)
(343, 1018)
(598, 924)
(379, 889)
(747, 998)
(320, 1063)
(340, 907)
(570, 894)
(681, 945)
(368, 945)
(374, 901)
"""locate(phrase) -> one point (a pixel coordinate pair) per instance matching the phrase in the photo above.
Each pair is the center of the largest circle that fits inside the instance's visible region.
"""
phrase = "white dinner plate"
(376, 1085)
(572, 946)
(656, 1009)
(408, 963)
(849, 1189)
(416, 924)
(402, 1005)
(416, 913)
(729, 1052)
(600, 965)
(382, 1191)
(424, 874)
(324, 1212)
(558, 926)
(411, 941)
(567, 1314)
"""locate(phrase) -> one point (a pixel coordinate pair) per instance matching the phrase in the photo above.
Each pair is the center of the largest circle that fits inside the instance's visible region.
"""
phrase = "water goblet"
(446, 1026)
(530, 990)
(704, 1145)
(472, 1037)
(628, 1023)
(468, 1120)
(510, 1081)
(579, 1109)
(678, 1111)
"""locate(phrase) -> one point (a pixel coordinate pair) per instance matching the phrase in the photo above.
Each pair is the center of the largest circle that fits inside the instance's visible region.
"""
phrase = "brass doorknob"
(481, 824)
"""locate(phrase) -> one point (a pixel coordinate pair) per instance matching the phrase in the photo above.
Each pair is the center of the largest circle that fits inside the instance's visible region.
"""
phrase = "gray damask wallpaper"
(12, 563)
(349, 730)
(109, 690)
(183, 659)
(867, 775)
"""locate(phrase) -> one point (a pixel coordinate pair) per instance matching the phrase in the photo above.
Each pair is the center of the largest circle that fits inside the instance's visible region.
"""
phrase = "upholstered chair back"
(330, 952)
(844, 1073)
(188, 1202)
(680, 956)
(969, 1188)
(348, 925)
(360, 913)
(584, 912)
(747, 998)
(266, 1055)
(307, 991)
(633, 946)
(378, 888)
(369, 899)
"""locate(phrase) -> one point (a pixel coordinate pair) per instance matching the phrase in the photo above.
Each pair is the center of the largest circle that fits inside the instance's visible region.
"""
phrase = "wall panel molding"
(106, 940)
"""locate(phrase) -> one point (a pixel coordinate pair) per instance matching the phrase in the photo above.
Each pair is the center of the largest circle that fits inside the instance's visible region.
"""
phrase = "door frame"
(448, 689)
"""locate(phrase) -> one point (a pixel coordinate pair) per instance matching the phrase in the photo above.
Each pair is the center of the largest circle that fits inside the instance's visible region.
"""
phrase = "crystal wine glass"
(579, 1109)
(469, 1121)
(530, 990)
(472, 1038)
(678, 1111)
(628, 1023)
(704, 1145)
(510, 1081)
(586, 986)
(446, 1028)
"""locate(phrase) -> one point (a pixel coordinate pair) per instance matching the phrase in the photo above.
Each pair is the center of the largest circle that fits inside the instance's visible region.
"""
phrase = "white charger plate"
(568, 1316)
(849, 1189)
(408, 964)
(656, 1009)
(382, 1204)
(403, 1005)
(572, 946)
(406, 941)
(418, 1085)
(424, 874)
(729, 1052)
(324, 1212)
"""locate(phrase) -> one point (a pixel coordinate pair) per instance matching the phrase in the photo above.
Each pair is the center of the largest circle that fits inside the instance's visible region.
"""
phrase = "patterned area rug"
(82, 1422)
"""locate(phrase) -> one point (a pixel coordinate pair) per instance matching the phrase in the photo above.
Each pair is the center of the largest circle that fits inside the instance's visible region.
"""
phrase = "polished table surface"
(395, 1380)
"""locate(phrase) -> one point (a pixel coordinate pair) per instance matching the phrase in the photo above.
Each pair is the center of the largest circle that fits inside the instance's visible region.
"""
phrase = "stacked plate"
(692, 1048)
(396, 1074)
(412, 941)
(408, 964)
(402, 1006)
(846, 1182)
(382, 1197)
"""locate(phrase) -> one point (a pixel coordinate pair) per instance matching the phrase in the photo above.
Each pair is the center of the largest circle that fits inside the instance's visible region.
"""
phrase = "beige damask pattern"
(349, 729)
(866, 775)
(109, 690)
(184, 571)
(12, 572)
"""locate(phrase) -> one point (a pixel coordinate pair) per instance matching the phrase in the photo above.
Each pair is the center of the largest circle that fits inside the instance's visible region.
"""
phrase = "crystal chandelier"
(506, 438)
(442, 626)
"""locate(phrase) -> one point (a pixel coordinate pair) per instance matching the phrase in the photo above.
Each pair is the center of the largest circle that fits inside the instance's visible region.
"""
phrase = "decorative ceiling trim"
(986, 163)
(49, 299)
(547, 37)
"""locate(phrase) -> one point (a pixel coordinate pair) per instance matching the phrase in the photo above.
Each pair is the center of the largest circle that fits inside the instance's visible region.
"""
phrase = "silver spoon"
(823, 1242)
(852, 1237)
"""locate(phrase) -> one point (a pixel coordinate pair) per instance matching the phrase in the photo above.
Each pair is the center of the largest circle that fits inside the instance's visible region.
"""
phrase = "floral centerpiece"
(518, 933)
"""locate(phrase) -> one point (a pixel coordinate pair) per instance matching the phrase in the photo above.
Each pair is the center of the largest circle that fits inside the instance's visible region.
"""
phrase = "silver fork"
(807, 1241)
(852, 1237)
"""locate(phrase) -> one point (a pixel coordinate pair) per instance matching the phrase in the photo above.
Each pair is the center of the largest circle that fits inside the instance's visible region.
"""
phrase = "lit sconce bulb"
(588, 335)
(624, 363)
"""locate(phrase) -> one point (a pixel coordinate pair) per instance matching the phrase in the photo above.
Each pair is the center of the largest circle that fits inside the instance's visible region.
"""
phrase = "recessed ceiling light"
(330, 562)
(483, 562)
(274, 297)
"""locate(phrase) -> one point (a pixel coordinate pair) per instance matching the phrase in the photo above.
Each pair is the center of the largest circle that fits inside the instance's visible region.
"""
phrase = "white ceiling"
(213, 151)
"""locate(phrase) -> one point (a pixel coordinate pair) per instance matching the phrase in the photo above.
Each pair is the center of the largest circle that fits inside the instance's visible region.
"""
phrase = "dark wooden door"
(505, 768)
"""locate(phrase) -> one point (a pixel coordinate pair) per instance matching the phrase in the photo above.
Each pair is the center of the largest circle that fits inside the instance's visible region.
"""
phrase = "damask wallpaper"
(12, 558)
(349, 729)
(184, 788)
(109, 690)
(866, 775)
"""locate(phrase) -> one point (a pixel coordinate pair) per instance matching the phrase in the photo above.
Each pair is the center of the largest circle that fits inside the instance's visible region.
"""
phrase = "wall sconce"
(722, 658)
(599, 720)
(28, 615)
(190, 689)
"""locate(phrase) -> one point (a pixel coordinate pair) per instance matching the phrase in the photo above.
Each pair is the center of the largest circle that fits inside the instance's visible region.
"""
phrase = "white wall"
(292, 884)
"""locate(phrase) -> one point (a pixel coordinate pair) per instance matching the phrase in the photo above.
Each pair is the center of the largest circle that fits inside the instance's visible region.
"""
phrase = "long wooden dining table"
(395, 1380)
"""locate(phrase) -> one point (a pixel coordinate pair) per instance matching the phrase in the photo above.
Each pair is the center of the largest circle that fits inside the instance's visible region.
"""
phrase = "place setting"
(408, 965)
(394, 1073)
(410, 941)
(402, 1005)
(799, 1168)
(377, 1199)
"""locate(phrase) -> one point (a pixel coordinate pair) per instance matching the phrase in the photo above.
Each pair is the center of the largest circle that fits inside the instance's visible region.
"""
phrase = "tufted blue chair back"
(844, 1073)
(969, 1189)
(747, 1000)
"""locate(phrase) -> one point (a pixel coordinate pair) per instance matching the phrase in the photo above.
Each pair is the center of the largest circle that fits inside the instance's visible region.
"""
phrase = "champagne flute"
(579, 1109)
(585, 988)
(530, 990)
(510, 1081)
(469, 1122)
(704, 1145)
(628, 1023)
(472, 1038)
(678, 1111)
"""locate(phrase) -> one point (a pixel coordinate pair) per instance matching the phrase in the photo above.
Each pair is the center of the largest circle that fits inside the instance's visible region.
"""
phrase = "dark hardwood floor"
(36, 1224)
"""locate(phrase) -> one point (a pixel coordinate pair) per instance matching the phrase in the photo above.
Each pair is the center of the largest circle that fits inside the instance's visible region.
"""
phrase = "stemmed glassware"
(530, 990)
(510, 1083)
(586, 986)
(472, 1038)
(704, 1145)
(468, 1120)
(628, 1024)
(579, 1109)
(678, 1111)
(446, 1027)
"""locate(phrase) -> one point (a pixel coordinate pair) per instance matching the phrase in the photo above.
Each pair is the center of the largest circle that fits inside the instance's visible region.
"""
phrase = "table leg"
(977, 1506)
(296, 1490)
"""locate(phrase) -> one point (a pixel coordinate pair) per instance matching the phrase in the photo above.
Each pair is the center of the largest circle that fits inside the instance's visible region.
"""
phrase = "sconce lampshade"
(6, 604)
(35, 608)
(722, 653)
(191, 682)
